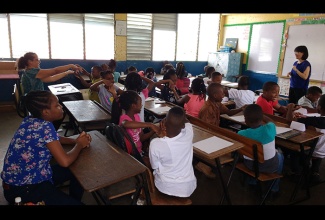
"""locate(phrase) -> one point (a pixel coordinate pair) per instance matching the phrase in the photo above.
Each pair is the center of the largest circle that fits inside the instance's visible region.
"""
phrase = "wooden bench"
(252, 149)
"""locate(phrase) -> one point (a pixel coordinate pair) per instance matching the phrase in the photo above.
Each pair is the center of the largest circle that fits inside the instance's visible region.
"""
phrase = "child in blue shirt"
(263, 132)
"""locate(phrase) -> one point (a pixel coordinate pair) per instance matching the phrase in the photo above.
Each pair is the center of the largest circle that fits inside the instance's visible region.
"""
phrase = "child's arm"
(136, 124)
(150, 83)
(230, 112)
(94, 87)
(182, 100)
(63, 158)
(160, 83)
(83, 82)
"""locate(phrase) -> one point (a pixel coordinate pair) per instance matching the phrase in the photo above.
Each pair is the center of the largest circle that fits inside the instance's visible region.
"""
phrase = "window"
(66, 31)
(139, 34)
(24, 40)
(209, 33)
(4, 37)
(187, 37)
(99, 36)
(164, 36)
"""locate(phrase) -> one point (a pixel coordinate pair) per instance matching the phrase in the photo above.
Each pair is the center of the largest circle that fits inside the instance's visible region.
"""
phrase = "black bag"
(119, 136)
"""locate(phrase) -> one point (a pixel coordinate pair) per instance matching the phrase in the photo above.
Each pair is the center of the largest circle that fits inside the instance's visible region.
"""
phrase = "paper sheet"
(312, 114)
(149, 99)
(160, 110)
(280, 130)
(212, 144)
(239, 118)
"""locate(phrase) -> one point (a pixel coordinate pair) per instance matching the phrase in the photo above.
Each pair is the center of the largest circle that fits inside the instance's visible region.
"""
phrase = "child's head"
(175, 121)
(109, 76)
(209, 71)
(321, 105)
(180, 70)
(130, 99)
(270, 91)
(243, 82)
(132, 69)
(314, 93)
(171, 74)
(205, 68)
(168, 66)
(43, 105)
(95, 71)
(198, 87)
(150, 72)
(216, 77)
(112, 64)
(215, 92)
(253, 114)
(133, 82)
(302, 49)
(104, 66)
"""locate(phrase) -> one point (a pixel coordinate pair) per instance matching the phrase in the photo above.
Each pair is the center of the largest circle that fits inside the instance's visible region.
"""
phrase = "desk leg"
(224, 186)
(236, 156)
(145, 188)
(304, 174)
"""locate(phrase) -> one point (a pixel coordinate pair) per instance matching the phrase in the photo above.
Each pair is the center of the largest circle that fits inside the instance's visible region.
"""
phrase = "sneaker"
(206, 170)
(141, 202)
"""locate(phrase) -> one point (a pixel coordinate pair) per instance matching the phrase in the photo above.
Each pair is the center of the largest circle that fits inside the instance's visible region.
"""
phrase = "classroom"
(259, 46)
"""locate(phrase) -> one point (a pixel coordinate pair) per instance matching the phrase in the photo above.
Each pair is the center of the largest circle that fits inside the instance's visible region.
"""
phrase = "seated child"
(150, 74)
(242, 95)
(28, 170)
(167, 86)
(210, 113)
(107, 90)
(262, 129)
(269, 99)
(309, 101)
(209, 71)
(319, 124)
(194, 100)
(130, 101)
(216, 77)
(94, 77)
(171, 155)
(182, 82)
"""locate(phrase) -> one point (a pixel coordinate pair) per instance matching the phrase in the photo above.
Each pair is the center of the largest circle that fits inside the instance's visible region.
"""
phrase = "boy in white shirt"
(241, 96)
(171, 155)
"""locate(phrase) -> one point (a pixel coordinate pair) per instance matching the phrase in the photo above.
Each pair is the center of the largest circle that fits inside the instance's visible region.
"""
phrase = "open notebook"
(286, 133)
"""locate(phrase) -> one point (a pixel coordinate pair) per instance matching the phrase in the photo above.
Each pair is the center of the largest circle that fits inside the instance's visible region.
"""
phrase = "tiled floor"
(208, 192)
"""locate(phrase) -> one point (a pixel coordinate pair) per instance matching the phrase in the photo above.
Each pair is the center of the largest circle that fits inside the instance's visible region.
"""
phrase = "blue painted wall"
(6, 86)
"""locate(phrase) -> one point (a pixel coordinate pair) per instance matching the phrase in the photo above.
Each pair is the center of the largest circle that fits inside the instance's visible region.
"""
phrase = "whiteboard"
(265, 46)
(312, 36)
(241, 32)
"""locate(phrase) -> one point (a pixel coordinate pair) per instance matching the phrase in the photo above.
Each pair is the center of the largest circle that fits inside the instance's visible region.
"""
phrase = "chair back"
(19, 100)
(121, 138)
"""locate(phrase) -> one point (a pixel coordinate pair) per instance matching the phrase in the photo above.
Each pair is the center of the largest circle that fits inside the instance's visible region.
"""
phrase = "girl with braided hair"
(28, 171)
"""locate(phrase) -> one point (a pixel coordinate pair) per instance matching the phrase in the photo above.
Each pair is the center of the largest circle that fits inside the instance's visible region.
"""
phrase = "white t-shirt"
(171, 160)
(242, 97)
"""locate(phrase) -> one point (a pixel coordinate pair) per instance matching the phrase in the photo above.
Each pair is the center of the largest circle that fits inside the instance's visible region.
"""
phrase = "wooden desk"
(87, 115)
(103, 164)
(152, 103)
(213, 159)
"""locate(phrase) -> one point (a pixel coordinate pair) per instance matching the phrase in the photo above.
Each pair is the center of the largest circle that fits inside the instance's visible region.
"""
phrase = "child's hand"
(84, 139)
(298, 115)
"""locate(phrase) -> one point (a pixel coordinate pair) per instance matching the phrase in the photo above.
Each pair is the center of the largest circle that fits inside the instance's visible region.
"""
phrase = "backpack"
(119, 136)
